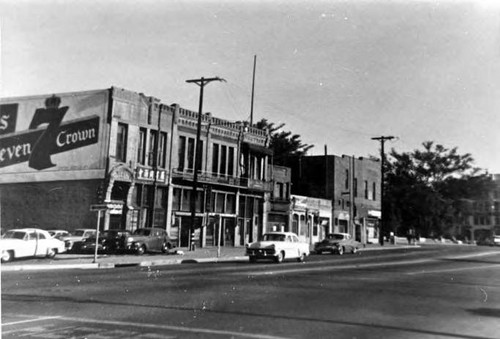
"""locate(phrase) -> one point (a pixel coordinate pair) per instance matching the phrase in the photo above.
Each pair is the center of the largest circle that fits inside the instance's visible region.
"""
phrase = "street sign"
(112, 207)
(98, 207)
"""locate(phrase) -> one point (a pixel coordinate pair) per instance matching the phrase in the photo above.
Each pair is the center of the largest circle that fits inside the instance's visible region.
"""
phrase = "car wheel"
(164, 248)
(279, 258)
(51, 253)
(301, 257)
(141, 250)
(319, 252)
(7, 256)
(252, 259)
(340, 250)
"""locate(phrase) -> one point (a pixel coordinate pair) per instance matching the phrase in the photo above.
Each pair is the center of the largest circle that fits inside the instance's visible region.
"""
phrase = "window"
(355, 188)
(190, 154)
(162, 150)
(223, 155)
(230, 161)
(215, 159)
(374, 191)
(141, 149)
(346, 179)
(153, 139)
(181, 152)
(366, 189)
(121, 143)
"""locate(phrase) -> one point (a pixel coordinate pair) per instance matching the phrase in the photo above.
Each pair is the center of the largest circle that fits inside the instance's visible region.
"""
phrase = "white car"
(29, 242)
(278, 246)
(77, 236)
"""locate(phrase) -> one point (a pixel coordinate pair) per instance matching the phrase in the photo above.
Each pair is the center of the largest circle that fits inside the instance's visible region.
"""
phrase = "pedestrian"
(409, 236)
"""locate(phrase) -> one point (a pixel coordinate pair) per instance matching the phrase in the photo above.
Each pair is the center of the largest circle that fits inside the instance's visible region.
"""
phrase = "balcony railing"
(213, 178)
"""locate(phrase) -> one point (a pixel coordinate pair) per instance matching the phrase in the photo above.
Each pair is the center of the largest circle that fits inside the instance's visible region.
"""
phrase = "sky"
(337, 73)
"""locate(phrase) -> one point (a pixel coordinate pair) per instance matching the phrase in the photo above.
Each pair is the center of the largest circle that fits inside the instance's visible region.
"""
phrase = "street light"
(197, 157)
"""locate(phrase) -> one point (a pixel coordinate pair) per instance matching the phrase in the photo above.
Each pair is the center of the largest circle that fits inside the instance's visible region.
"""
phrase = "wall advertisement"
(53, 137)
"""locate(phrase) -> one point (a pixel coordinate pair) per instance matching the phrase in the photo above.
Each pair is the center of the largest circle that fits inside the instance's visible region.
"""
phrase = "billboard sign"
(54, 137)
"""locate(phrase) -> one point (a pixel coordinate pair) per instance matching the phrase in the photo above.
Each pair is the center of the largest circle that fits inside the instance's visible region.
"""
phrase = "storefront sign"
(149, 174)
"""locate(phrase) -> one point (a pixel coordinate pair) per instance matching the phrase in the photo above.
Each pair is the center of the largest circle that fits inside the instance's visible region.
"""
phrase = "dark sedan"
(337, 243)
(148, 240)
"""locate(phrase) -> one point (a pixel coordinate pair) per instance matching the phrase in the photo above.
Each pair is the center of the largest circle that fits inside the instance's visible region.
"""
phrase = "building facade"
(351, 184)
(479, 219)
(62, 154)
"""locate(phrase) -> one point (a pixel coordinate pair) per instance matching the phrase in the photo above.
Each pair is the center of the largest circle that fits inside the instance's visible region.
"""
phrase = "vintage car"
(77, 236)
(147, 240)
(278, 246)
(112, 240)
(59, 234)
(339, 243)
(29, 242)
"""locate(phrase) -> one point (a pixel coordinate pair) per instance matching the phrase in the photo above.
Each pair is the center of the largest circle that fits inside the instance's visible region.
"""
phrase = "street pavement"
(177, 256)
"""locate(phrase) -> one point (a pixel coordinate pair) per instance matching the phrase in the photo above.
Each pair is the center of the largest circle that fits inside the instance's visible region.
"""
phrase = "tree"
(423, 186)
(284, 144)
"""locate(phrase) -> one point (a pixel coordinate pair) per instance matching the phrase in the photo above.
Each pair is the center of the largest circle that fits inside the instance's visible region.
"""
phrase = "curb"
(164, 262)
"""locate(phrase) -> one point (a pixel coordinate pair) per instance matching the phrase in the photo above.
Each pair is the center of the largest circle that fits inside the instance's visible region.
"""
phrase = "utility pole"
(382, 140)
(197, 155)
(253, 89)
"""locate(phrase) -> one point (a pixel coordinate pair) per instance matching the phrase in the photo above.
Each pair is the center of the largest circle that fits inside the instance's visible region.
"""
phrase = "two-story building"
(353, 186)
(62, 154)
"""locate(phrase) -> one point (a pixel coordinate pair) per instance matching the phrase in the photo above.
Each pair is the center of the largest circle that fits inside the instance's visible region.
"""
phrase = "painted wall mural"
(43, 136)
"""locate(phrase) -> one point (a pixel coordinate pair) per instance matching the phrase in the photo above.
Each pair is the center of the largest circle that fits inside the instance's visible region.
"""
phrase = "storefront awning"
(257, 148)
(376, 214)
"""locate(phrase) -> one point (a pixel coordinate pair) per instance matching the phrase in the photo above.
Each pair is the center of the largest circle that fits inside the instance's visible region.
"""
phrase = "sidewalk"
(180, 256)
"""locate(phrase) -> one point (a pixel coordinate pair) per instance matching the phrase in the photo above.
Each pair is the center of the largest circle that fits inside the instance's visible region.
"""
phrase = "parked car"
(278, 246)
(112, 240)
(496, 240)
(29, 242)
(147, 240)
(59, 234)
(77, 236)
(339, 243)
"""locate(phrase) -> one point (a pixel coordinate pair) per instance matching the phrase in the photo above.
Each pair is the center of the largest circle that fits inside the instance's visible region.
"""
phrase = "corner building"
(61, 154)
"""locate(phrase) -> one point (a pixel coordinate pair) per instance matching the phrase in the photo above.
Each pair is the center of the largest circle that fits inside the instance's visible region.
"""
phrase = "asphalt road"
(431, 292)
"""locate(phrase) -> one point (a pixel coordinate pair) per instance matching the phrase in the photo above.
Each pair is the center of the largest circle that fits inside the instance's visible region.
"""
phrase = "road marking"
(155, 327)
(454, 269)
(332, 268)
(30, 320)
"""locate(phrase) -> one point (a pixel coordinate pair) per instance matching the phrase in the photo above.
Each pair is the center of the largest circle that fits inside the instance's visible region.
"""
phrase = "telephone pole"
(382, 140)
(197, 155)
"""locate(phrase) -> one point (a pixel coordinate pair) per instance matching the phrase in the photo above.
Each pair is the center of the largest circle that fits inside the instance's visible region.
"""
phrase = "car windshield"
(79, 233)
(14, 235)
(142, 231)
(336, 236)
(274, 237)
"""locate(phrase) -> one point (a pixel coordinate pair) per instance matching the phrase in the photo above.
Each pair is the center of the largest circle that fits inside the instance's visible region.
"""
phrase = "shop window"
(186, 200)
(230, 203)
(219, 203)
(121, 143)
(176, 199)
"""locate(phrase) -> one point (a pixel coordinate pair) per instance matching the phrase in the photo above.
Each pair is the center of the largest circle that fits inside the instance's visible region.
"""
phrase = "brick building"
(60, 154)
(353, 186)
